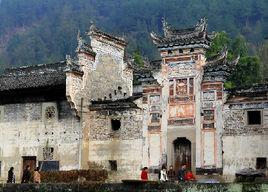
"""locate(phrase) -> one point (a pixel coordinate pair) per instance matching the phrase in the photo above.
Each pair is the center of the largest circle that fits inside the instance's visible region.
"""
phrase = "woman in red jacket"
(144, 174)
(189, 176)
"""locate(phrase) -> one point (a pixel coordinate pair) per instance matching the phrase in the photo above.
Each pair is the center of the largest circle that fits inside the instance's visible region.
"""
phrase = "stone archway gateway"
(182, 152)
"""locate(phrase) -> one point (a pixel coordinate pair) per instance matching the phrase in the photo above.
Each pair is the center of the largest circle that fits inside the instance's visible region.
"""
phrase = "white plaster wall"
(24, 137)
(127, 153)
(241, 152)
(199, 147)
(219, 131)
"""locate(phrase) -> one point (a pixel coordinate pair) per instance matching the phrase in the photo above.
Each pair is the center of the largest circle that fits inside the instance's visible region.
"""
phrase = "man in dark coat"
(11, 176)
(26, 175)
(182, 172)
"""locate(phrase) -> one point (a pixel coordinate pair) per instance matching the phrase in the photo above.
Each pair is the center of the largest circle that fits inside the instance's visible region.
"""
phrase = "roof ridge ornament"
(95, 31)
(80, 42)
(92, 27)
(202, 24)
(156, 39)
(196, 36)
(166, 27)
(221, 55)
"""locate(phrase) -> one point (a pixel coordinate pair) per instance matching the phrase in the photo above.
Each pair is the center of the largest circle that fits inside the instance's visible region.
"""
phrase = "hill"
(42, 31)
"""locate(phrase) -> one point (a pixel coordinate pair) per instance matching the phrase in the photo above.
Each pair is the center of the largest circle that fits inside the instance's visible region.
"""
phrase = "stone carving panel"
(209, 96)
(181, 69)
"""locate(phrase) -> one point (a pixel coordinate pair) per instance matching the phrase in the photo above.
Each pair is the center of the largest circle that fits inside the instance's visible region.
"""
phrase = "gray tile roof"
(218, 68)
(192, 37)
(35, 76)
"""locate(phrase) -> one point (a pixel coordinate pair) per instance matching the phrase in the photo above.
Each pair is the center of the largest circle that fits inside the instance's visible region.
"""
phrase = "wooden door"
(182, 153)
(29, 160)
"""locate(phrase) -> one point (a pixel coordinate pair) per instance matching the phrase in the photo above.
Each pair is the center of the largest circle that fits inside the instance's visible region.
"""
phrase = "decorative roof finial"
(68, 60)
(80, 42)
(78, 34)
(92, 27)
(202, 24)
(166, 27)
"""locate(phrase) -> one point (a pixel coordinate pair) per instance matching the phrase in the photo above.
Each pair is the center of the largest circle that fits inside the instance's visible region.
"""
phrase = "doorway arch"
(182, 152)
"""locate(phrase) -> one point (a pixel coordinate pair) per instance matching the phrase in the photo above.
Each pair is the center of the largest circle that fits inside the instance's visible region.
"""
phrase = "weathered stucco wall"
(109, 62)
(240, 152)
(125, 145)
(244, 143)
(25, 129)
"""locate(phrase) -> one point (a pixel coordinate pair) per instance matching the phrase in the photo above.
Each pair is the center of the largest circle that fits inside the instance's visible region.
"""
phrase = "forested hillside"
(41, 31)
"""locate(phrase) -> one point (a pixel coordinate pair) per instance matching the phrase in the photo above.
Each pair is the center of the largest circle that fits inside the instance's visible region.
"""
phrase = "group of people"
(26, 176)
(170, 175)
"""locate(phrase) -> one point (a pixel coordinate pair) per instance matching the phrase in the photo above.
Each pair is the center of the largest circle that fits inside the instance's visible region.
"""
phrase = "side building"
(73, 114)
(245, 137)
(37, 125)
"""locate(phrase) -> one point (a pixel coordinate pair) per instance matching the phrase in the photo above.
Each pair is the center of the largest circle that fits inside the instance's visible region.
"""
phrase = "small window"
(254, 117)
(209, 96)
(116, 124)
(192, 50)
(261, 163)
(169, 52)
(113, 165)
(171, 87)
(154, 98)
(155, 117)
(208, 126)
(208, 115)
(180, 51)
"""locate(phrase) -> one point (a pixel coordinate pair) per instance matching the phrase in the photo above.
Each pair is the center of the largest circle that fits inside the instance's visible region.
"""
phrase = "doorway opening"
(182, 152)
(29, 160)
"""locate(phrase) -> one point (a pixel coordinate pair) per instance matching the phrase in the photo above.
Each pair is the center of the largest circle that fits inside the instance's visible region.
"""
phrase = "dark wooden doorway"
(182, 152)
(29, 160)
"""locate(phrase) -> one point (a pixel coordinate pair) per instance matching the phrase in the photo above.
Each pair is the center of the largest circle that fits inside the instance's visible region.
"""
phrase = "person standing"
(182, 172)
(144, 174)
(11, 175)
(171, 173)
(26, 175)
(36, 176)
(163, 174)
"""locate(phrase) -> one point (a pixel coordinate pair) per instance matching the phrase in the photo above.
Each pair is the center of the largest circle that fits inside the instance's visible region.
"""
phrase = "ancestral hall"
(100, 109)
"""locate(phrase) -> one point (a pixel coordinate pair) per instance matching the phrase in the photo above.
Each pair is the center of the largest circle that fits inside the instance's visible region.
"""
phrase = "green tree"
(239, 46)
(138, 58)
(263, 54)
(220, 42)
(247, 71)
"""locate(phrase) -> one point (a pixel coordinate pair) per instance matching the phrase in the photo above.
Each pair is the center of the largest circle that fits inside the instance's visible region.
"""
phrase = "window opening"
(113, 165)
(254, 117)
(155, 117)
(116, 124)
(261, 163)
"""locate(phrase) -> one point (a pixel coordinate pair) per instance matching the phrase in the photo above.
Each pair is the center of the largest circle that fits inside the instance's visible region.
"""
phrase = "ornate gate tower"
(192, 97)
